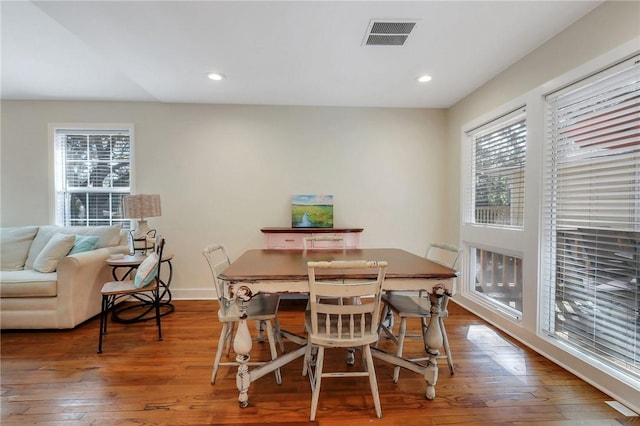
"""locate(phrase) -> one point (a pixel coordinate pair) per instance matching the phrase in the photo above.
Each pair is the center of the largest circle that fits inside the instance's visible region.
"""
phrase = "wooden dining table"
(285, 272)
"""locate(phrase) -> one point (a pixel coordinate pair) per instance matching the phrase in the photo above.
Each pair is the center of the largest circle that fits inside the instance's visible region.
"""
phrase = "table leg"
(242, 344)
(432, 342)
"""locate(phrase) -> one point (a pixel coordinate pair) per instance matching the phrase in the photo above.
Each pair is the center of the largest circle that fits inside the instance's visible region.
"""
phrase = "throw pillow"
(14, 246)
(109, 236)
(146, 271)
(57, 248)
(84, 243)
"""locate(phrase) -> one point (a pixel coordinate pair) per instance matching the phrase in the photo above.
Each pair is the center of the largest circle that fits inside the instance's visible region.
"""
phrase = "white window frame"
(502, 239)
(55, 174)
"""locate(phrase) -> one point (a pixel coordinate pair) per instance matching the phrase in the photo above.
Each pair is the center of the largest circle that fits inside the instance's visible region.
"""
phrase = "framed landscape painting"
(312, 211)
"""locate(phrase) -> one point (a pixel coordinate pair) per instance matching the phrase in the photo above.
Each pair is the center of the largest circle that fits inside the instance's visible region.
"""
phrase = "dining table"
(285, 272)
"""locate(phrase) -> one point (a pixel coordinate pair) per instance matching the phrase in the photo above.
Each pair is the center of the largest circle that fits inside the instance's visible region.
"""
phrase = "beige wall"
(224, 172)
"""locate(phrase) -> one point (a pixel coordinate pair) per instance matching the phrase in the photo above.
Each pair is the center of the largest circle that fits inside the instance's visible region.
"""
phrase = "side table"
(142, 310)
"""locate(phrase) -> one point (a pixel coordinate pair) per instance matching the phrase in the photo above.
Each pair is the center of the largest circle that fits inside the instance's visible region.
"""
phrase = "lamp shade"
(142, 205)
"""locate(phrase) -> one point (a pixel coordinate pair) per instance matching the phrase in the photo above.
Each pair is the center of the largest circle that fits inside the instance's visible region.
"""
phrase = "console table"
(291, 238)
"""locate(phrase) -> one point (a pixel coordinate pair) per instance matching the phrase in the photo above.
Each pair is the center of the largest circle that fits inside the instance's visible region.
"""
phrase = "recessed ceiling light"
(215, 76)
(424, 78)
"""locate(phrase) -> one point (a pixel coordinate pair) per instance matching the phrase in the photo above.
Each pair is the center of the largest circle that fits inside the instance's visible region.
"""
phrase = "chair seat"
(125, 287)
(261, 307)
(333, 339)
(410, 306)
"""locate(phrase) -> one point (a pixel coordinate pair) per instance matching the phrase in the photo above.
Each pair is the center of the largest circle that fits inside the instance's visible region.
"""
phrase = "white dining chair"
(342, 326)
(419, 306)
(262, 308)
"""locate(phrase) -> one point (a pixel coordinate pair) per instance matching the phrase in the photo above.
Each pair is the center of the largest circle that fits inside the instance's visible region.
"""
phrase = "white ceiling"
(271, 52)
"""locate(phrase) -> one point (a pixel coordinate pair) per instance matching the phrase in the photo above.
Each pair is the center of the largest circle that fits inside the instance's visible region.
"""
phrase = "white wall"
(607, 28)
(224, 172)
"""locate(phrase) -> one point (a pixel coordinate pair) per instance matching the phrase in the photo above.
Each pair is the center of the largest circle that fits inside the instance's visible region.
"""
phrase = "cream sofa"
(51, 277)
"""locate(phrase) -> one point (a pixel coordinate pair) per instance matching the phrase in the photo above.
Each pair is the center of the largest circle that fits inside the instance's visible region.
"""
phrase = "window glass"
(93, 173)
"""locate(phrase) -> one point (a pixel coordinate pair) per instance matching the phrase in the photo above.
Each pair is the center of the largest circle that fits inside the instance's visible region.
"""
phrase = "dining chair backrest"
(307, 241)
(345, 322)
(218, 260)
(444, 254)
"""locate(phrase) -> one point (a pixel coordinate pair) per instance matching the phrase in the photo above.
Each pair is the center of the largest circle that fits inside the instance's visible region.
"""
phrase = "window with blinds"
(499, 150)
(92, 169)
(494, 157)
(591, 289)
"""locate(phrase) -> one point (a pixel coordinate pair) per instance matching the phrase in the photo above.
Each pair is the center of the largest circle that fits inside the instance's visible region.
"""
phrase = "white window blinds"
(591, 293)
(92, 175)
(499, 150)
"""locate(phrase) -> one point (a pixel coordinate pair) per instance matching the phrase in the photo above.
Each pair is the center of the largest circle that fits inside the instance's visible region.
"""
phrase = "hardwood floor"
(56, 377)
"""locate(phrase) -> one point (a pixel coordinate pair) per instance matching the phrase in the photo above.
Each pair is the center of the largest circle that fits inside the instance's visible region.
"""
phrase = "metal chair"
(342, 326)
(419, 306)
(145, 286)
(262, 308)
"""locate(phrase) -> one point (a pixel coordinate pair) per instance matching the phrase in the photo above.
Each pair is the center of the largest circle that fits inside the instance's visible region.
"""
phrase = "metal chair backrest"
(159, 249)
(348, 322)
(218, 260)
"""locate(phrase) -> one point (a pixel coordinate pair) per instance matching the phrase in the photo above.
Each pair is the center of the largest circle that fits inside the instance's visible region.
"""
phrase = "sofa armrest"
(80, 280)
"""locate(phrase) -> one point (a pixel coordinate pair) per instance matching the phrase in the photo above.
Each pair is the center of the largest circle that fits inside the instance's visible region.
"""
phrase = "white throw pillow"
(109, 236)
(57, 248)
(14, 246)
(146, 271)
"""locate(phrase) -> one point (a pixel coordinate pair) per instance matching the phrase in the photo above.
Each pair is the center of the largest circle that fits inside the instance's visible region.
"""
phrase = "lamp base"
(142, 230)
(142, 239)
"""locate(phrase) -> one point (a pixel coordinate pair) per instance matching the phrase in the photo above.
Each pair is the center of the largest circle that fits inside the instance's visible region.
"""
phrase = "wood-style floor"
(56, 377)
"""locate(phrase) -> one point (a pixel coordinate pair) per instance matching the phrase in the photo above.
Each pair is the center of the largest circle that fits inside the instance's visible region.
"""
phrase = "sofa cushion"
(14, 246)
(84, 243)
(58, 247)
(109, 237)
(28, 284)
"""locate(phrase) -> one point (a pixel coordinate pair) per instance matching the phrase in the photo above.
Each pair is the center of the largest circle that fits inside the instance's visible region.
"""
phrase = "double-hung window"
(495, 154)
(591, 273)
(92, 175)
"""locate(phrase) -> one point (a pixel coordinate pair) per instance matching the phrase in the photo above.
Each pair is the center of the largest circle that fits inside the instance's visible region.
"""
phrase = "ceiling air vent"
(388, 33)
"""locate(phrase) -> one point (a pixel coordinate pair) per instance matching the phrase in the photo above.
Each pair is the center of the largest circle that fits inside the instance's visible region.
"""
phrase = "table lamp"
(140, 207)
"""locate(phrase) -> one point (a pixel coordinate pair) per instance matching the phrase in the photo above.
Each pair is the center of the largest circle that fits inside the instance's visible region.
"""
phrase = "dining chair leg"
(445, 343)
(315, 385)
(103, 321)
(386, 325)
(279, 334)
(373, 382)
(260, 327)
(272, 348)
(218, 357)
(156, 295)
(229, 336)
(401, 335)
(305, 360)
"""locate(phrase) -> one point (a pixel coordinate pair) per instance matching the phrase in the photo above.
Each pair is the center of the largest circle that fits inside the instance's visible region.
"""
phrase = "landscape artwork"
(312, 211)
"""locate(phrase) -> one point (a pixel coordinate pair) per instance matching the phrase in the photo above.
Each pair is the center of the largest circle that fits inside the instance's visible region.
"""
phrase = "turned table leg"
(242, 347)
(432, 343)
